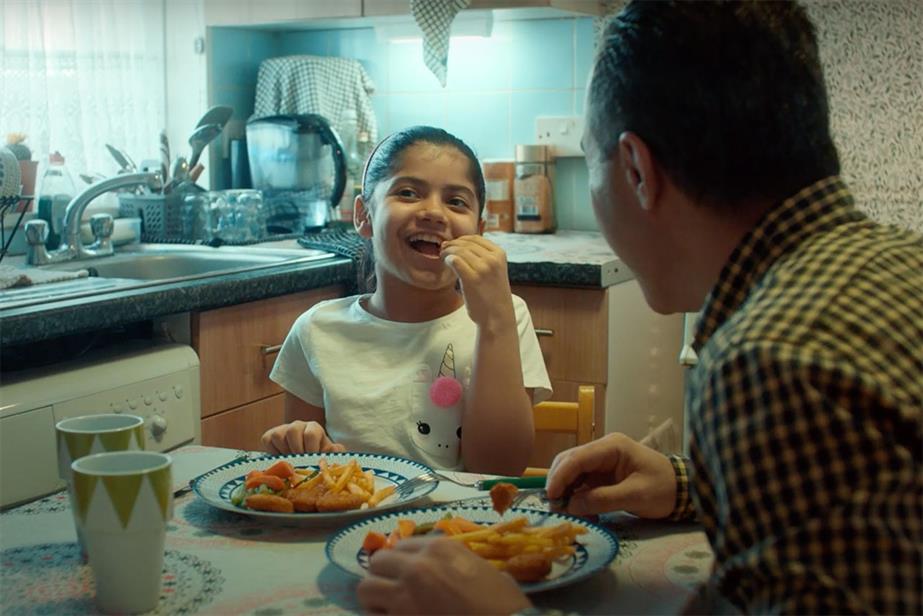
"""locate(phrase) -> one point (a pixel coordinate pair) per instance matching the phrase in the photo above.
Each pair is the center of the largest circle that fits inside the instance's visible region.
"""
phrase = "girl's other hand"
(481, 268)
(299, 437)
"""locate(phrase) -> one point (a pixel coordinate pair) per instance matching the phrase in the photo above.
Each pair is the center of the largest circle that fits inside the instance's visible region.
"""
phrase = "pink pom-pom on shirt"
(445, 391)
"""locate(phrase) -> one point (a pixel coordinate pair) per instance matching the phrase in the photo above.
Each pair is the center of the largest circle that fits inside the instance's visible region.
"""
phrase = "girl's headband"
(368, 161)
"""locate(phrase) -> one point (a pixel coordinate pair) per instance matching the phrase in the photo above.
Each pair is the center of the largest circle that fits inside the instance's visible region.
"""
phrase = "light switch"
(562, 133)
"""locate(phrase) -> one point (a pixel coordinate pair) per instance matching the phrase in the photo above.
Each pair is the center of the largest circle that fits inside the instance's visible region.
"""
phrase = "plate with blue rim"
(216, 486)
(595, 549)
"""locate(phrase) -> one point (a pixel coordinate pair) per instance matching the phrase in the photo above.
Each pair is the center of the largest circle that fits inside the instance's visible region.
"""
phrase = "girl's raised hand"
(481, 268)
(299, 437)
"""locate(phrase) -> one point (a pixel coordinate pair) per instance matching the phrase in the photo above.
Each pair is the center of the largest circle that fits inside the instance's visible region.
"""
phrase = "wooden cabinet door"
(572, 328)
(237, 347)
(241, 428)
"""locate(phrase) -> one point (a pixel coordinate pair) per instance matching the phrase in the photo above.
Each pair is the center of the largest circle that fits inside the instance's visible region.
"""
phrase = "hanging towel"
(316, 84)
(22, 277)
(435, 20)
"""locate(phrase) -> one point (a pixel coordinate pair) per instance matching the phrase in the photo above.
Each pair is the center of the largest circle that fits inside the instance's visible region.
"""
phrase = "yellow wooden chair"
(566, 417)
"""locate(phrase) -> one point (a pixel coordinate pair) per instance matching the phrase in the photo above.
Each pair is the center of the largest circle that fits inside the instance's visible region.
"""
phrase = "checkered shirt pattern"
(315, 84)
(805, 413)
(435, 20)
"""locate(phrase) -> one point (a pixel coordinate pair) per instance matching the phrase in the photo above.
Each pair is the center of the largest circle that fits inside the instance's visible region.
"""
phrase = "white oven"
(159, 382)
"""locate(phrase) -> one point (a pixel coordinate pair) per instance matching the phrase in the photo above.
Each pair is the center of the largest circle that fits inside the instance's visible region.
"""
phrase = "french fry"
(381, 495)
(357, 489)
(347, 472)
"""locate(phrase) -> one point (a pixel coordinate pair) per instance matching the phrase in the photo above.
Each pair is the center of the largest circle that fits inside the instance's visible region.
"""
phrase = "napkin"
(435, 20)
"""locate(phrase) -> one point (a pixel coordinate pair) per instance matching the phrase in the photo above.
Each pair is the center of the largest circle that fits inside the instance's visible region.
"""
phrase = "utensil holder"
(161, 215)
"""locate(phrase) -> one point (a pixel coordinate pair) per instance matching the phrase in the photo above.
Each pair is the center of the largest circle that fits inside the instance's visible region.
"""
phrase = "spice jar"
(498, 206)
(532, 190)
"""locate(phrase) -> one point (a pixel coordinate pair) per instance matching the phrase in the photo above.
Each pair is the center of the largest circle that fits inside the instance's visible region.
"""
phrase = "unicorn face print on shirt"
(436, 411)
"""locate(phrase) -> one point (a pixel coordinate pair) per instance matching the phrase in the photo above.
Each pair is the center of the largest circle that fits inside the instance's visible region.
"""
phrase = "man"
(714, 177)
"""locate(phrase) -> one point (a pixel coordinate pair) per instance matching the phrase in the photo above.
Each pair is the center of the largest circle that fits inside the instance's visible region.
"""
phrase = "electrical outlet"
(563, 133)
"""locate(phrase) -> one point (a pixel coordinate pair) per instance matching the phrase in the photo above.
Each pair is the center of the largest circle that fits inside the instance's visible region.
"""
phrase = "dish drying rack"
(6, 204)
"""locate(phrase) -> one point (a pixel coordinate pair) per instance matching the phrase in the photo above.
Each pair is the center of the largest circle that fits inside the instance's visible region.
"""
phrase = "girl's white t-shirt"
(373, 377)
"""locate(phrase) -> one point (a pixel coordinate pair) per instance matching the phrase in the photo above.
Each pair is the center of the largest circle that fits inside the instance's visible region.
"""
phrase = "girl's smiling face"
(429, 199)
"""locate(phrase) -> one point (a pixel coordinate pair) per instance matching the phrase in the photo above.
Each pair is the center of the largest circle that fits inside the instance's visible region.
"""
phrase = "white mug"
(123, 501)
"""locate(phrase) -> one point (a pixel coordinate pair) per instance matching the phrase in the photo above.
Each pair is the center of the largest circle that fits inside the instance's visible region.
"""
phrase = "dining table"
(221, 562)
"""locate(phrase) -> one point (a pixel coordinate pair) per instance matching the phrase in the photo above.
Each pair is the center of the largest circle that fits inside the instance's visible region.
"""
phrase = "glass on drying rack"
(232, 216)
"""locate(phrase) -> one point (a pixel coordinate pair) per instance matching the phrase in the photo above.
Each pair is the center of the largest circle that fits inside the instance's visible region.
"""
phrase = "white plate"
(215, 487)
(595, 550)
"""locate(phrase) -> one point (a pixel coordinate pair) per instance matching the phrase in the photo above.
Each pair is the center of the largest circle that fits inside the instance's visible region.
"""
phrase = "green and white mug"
(92, 434)
(122, 503)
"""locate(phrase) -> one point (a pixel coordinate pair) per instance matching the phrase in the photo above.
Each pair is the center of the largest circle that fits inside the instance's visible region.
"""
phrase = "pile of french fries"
(332, 487)
(525, 552)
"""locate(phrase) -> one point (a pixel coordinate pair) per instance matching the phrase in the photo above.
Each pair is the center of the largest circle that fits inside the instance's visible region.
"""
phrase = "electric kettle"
(297, 162)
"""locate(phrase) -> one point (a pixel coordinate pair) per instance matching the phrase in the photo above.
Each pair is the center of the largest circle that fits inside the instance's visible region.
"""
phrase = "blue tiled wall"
(496, 87)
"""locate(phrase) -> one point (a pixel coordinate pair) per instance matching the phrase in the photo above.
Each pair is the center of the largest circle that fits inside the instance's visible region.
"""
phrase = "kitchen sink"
(162, 262)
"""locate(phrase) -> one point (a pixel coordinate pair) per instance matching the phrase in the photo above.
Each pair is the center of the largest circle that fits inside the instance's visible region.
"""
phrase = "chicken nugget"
(305, 500)
(528, 567)
(269, 502)
(502, 495)
(339, 501)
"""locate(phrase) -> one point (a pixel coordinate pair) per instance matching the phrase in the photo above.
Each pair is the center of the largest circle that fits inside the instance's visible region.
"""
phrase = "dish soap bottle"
(57, 190)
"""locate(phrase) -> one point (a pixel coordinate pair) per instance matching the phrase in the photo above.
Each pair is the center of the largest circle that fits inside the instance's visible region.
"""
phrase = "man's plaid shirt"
(805, 412)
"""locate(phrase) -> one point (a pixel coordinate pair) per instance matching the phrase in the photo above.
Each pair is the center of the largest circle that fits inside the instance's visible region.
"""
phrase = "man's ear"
(362, 219)
(640, 169)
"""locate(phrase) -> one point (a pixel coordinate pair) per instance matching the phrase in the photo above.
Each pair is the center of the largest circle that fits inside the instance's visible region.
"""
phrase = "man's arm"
(811, 502)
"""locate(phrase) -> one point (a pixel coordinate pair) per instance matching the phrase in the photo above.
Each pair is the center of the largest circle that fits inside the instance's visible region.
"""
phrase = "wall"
(496, 86)
(873, 61)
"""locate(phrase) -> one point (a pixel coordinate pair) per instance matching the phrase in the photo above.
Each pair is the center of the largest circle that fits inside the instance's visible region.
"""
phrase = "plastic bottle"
(349, 134)
(56, 191)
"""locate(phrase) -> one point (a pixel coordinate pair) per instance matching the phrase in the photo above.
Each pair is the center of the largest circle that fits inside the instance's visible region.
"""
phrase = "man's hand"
(614, 473)
(481, 268)
(436, 576)
(299, 437)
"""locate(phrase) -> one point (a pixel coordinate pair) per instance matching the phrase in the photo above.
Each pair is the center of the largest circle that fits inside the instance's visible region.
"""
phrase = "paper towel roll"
(9, 174)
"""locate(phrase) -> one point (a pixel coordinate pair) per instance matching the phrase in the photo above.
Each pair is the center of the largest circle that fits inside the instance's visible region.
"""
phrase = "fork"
(409, 486)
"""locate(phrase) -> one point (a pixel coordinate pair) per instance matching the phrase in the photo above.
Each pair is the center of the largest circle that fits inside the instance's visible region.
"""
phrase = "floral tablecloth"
(219, 562)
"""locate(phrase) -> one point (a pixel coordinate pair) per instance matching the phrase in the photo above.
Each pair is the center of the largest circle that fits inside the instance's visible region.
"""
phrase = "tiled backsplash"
(496, 87)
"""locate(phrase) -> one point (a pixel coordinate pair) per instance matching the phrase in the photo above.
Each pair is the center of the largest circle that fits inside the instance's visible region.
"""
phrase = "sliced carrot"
(405, 528)
(465, 525)
(282, 469)
(393, 538)
(448, 526)
(273, 482)
(374, 541)
(254, 473)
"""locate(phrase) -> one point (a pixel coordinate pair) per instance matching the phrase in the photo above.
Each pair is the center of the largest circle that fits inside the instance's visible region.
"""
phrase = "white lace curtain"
(77, 74)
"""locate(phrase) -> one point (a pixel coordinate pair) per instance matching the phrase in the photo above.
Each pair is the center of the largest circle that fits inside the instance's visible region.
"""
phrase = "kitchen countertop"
(567, 258)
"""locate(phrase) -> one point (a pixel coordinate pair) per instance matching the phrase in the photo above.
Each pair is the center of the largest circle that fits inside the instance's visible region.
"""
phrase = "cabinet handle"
(544, 332)
(270, 350)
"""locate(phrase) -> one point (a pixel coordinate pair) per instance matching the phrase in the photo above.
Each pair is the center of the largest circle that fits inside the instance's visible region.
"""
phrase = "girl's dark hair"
(384, 161)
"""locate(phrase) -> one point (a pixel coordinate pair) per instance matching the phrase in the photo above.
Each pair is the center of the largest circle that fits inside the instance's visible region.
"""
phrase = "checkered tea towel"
(435, 19)
(315, 84)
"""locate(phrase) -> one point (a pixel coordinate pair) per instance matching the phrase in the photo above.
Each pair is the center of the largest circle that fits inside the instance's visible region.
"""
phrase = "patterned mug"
(122, 502)
(91, 434)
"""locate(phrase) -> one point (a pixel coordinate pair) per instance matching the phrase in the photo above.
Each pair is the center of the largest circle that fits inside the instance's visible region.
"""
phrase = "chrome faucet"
(73, 247)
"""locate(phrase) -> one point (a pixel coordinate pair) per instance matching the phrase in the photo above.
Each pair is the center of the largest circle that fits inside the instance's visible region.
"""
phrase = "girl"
(440, 363)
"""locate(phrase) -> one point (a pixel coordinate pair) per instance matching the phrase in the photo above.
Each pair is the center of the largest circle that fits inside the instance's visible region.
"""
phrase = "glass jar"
(533, 194)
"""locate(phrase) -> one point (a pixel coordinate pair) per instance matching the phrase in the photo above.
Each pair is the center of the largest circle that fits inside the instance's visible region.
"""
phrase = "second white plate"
(216, 486)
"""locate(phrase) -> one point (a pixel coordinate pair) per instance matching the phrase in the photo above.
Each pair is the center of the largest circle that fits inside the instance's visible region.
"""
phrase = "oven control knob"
(158, 427)
(148, 400)
(178, 391)
(132, 404)
(162, 395)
